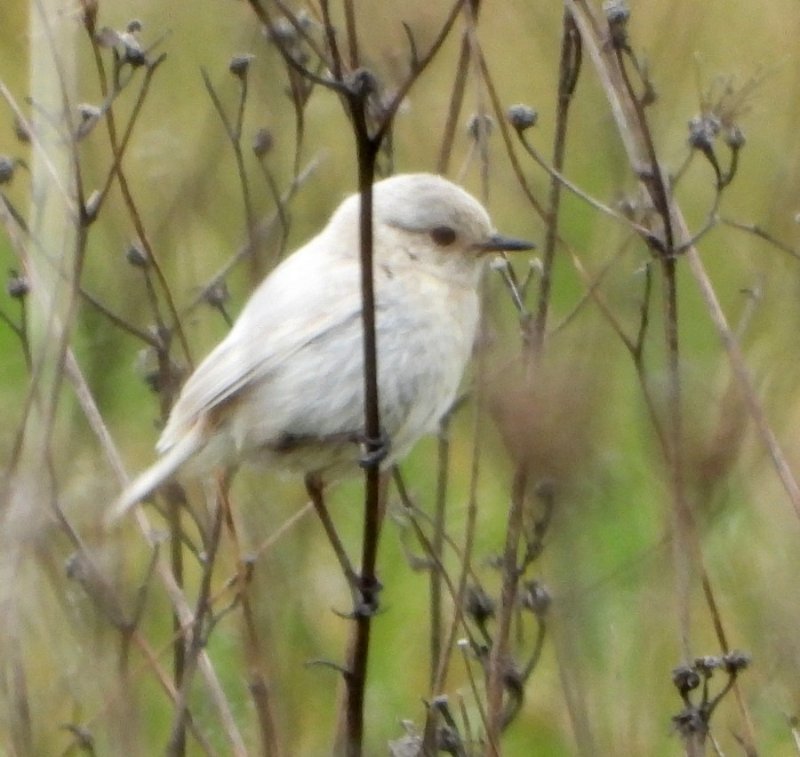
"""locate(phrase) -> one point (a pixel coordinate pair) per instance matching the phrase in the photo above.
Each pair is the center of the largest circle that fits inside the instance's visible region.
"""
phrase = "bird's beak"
(500, 243)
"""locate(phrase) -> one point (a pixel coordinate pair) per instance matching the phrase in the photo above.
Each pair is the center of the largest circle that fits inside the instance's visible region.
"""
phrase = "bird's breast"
(425, 337)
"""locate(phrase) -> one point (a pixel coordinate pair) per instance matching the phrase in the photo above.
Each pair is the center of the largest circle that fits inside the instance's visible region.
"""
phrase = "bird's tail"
(157, 474)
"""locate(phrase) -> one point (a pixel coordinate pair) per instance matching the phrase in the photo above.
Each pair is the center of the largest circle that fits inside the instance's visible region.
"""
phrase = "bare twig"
(757, 231)
(233, 131)
(569, 68)
(262, 232)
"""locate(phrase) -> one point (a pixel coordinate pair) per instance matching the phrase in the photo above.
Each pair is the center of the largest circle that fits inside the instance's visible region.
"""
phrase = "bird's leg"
(365, 598)
(314, 487)
(375, 449)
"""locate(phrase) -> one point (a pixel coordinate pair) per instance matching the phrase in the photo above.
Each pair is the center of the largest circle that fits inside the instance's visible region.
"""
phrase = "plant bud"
(522, 117)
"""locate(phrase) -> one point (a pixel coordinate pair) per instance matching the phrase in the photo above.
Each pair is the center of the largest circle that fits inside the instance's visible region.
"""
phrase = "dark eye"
(443, 236)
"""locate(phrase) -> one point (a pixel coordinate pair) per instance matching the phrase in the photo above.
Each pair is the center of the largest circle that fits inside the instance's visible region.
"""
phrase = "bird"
(285, 387)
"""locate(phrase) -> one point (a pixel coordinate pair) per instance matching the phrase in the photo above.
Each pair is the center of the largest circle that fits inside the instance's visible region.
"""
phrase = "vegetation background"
(624, 596)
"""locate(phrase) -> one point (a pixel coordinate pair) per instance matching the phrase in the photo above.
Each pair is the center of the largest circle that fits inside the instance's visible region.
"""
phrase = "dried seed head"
(499, 263)
(21, 130)
(89, 112)
(262, 142)
(480, 125)
(89, 115)
(439, 702)
(479, 605)
(448, 740)
(7, 167)
(628, 206)
(304, 19)
(137, 257)
(617, 12)
(522, 117)
(75, 567)
(134, 55)
(685, 678)
(362, 82)
(92, 205)
(285, 32)
(536, 598)
(217, 294)
(734, 137)
(282, 32)
(735, 661)
(703, 130)
(707, 664)
(155, 374)
(17, 285)
(125, 43)
(513, 679)
(240, 64)
(617, 15)
(689, 722)
(409, 745)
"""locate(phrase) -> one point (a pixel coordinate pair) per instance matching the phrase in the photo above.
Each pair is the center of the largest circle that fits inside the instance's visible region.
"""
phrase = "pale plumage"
(286, 384)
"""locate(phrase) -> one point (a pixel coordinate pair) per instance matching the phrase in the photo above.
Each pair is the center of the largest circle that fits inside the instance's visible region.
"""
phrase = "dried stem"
(356, 87)
(569, 69)
(628, 109)
(499, 655)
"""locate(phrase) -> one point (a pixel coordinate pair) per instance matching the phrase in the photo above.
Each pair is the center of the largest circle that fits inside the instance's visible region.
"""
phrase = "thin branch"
(118, 321)
(117, 150)
(454, 109)
(420, 65)
(757, 231)
(234, 133)
(742, 372)
(586, 22)
(569, 68)
(262, 232)
(498, 657)
(578, 192)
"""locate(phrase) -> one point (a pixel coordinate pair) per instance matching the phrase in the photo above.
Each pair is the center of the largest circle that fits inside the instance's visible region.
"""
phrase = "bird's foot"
(366, 594)
(376, 450)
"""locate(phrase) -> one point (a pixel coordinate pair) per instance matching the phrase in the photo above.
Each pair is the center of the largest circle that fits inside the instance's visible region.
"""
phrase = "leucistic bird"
(286, 387)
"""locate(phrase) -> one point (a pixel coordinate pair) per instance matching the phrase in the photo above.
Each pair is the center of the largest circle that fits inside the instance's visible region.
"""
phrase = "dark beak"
(499, 243)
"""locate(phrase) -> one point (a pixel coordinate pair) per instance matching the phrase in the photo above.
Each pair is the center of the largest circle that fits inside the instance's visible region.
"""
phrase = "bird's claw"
(376, 450)
(367, 602)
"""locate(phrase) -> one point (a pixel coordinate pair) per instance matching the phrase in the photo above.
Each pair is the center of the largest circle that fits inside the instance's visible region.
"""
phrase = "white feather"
(157, 474)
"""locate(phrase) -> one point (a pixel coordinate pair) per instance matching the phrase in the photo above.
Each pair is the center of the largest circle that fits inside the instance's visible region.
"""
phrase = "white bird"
(286, 386)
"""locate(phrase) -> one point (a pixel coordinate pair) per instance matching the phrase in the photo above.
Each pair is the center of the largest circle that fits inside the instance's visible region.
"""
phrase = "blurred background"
(603, 683)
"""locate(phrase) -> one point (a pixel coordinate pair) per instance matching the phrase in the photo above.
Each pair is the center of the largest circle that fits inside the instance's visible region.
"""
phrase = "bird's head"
(426, 219)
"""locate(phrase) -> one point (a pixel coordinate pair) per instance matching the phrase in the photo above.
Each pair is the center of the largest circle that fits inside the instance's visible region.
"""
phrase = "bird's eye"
(443, 236)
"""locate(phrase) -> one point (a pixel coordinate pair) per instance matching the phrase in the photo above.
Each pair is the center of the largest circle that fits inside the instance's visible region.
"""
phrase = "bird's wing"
(308, 296)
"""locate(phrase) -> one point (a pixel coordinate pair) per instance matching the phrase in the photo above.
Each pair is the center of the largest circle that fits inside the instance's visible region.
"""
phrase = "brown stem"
(198, 632)
(179, 642)
(258, 679)
(439, 526)
(454, 111)
(367, 151)
(498, 658)
(568, 77)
